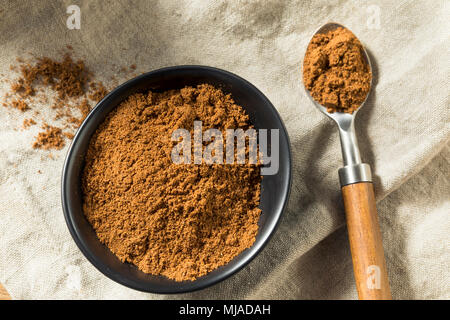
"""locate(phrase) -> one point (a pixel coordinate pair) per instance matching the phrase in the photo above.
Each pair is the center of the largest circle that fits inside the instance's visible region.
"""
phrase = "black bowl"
(274, 188)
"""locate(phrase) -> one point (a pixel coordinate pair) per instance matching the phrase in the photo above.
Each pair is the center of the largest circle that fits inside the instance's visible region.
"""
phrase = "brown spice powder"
(98, 91)
(177, 220)
(51, 138)
(74, 87)
(67, 77)
(335, 71)
(20, 105)
(28, 123)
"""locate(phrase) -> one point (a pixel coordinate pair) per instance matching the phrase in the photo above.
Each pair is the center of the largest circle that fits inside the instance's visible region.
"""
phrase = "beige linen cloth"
(403, 130)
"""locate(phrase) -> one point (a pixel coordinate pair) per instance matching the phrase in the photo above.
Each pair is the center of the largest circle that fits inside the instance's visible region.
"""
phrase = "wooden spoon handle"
(366, 245)
(4, 294)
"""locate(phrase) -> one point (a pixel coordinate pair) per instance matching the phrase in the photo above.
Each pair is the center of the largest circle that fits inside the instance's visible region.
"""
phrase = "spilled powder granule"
(50, 138)
(84, 107)
(20, 105)
(28, 123)
(68, 135)
(68, 78)
(98, 91)
(65, 86)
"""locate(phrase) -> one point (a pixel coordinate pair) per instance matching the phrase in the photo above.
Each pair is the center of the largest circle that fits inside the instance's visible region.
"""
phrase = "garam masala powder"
(64, 87)
(176, 220)
(335, 71)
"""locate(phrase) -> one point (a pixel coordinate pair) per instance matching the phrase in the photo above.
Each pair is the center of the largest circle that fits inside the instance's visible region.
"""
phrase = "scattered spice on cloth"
(50, 138)
(98, 91)
(335, 71)
(67, 78)
(177, 220)
(28, 123)
(65, 85)
(20, 105)
(38, 79)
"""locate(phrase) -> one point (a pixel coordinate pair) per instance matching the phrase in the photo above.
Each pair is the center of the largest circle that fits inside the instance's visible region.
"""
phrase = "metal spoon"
(361, 214)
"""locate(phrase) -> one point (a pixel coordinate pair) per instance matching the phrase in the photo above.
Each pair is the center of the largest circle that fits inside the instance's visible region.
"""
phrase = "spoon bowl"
(340, 117)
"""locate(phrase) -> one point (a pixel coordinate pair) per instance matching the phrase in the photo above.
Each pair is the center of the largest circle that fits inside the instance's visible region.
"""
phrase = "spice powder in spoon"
(335, 71)
(177, 220)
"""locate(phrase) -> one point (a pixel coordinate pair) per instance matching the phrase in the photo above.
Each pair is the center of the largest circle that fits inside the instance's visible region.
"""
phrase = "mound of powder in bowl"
(176, 220)
(335, 71)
